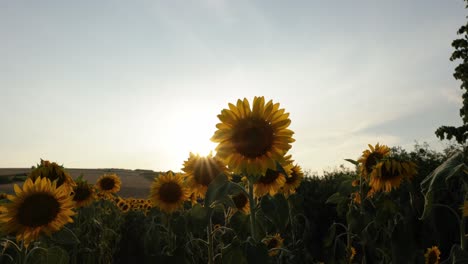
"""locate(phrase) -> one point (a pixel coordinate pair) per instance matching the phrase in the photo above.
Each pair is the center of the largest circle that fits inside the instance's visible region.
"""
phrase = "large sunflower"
(273, 243)
(293, 181)
(168, 192)
(40, 207)
(53, 172)
(271, 183)
(108, 183)
(389, 173)
(252, 140)
(83, 194)
(201, 171)
(371, 157)
(432, 255)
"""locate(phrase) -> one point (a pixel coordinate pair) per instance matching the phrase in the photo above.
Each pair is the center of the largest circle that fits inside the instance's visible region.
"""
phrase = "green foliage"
(461, 73)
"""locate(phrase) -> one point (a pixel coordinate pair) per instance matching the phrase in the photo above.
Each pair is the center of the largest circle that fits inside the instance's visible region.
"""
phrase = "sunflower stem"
(210, 242)
(252, 210)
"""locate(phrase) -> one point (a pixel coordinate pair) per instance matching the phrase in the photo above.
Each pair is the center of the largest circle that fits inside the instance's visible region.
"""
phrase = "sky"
(139, 84)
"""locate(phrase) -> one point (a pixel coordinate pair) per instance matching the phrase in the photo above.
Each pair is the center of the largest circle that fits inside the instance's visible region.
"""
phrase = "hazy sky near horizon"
(139, 84)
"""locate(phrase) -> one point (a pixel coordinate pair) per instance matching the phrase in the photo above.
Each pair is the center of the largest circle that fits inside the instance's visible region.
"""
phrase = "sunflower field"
(249, 203)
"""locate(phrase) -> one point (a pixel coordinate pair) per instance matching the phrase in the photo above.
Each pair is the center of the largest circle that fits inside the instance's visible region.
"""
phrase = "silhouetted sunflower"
(83, 194)
(388, 174)
(201, 171)
(293, 181)
(371, 157)
(242, 202)
(271, 183)
(108, 183)
(432, 255)
(273, 243)
(53, 172)
(252, 140)
(40, 207)
(168, 192)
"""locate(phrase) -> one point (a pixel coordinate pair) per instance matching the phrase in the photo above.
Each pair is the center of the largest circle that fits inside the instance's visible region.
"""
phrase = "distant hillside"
(135, 183)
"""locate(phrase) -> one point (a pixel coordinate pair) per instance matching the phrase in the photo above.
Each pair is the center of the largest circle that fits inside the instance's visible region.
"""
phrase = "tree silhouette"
(461, 73)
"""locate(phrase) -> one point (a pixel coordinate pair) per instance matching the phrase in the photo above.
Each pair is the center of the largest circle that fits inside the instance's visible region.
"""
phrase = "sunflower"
(464, 209)
(3, 196)
(293, 181)
(432, 255)
(53, 172)
(389, 173)
(109, 183)
(252, 140)
(83, 194)
(40, 207)
(371, 157)
(273, 243)
(241, 201)
(168, 192)
(356, 197)
(123, 205)
(352, 254)
(201, 171)
(271, 183)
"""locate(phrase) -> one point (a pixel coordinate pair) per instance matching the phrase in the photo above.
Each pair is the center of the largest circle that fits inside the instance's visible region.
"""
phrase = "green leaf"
(352, 161)
(65, 237)
(200, 215)
(330, 237)
(438, 179)
(276, 209)
(47, 255)
(335, 198)
(219, 189)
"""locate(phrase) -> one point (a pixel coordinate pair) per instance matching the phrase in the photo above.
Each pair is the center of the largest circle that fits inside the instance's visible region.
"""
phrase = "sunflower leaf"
(352, 161)
(216, 186)
(438, 179)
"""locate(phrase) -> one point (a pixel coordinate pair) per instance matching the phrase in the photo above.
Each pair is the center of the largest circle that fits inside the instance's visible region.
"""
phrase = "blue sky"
(138, 84)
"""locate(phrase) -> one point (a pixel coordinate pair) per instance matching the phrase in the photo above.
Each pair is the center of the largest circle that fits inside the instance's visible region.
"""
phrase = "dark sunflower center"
(81, 193)
(170, 192)
(253, 137)
(272, 243)
(432, 258)
(388, 173)
(240, 200)
(205, 171)
(372, 160)
(107, 184)
(270, 177)
(38, 210)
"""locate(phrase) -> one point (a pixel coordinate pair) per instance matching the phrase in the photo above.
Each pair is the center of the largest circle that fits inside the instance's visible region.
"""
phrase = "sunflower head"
(293, 181)
(352, 254)
(39, 207)
(83, 194)
(271, 183)
(168, 192)
(252, 139)
(241, 201)
(432, 255)
(201, 171)
(464, 209)
(3, 196)
(273, 243)
(370, 157)
(109, 183)
(389, 173)
(53, 172)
